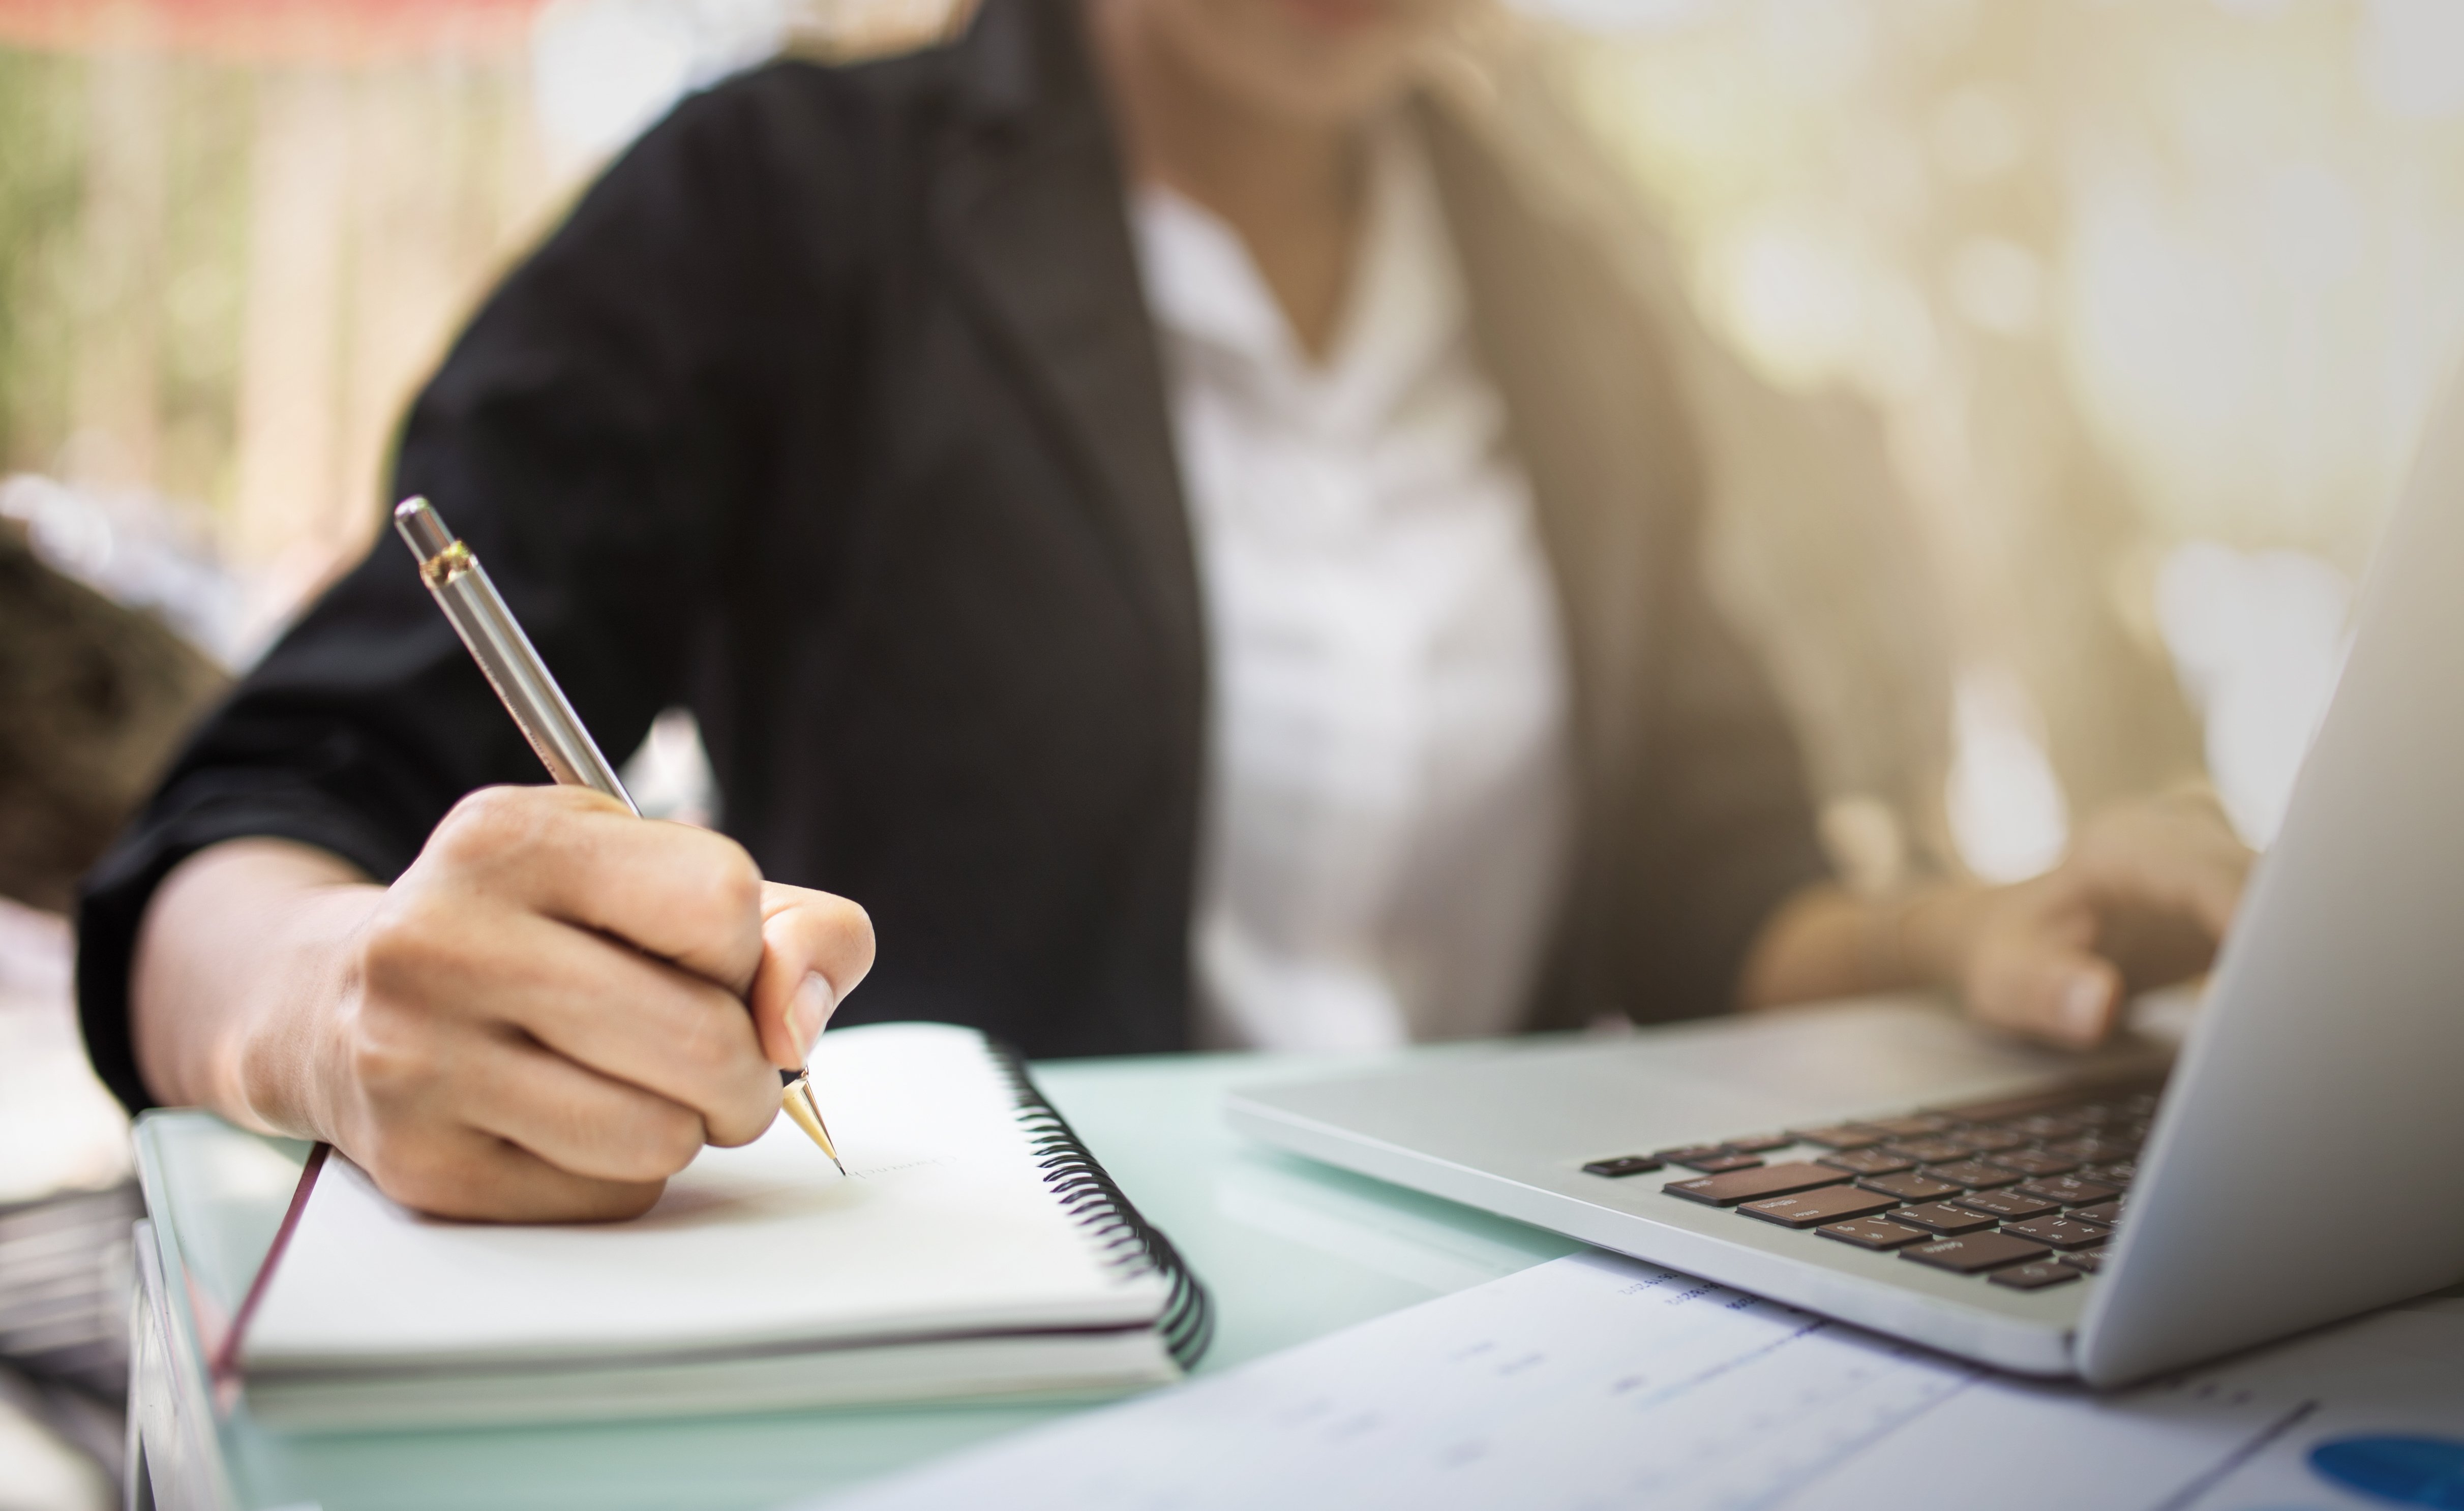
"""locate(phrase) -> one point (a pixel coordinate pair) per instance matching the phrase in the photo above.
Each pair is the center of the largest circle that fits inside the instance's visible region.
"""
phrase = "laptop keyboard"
(2022, 1192)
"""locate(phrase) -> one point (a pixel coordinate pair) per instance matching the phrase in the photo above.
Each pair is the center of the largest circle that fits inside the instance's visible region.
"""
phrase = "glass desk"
(1291, 1250)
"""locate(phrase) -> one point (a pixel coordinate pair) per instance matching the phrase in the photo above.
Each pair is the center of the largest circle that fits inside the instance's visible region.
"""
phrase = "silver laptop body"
(2307, 1159)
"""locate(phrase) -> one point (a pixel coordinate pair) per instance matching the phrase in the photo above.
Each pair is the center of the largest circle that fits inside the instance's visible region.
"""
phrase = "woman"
(1138, 503)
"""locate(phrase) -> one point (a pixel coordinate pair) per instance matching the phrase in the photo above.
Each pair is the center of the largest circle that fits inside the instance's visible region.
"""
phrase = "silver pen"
(461, 588)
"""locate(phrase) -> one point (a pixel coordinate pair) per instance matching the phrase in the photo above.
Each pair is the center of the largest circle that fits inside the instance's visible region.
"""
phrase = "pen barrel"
(513, 669)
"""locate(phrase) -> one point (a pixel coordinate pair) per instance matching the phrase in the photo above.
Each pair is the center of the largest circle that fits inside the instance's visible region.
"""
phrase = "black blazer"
(834, 412)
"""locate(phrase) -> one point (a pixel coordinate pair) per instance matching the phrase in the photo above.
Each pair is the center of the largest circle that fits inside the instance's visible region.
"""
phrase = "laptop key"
(1916, 1124)
(2089, 1261)
(1752, 1185)
(2003, 1108)
(1940, 1216)
(1807, 1209)
(2094, 1147)
(2118, 1172)
(2033, 1276)
(1867, 1162)
(1973, 1173)
(2008, 1205)
(1910, 1187)
(1760, 1143)
(1678, 1153)
(1990, 1140)
(2047, 1125)
(1974, 1254)
(2132, 1096)
(1719, 1162)
(1934, 1150)
(2107, 1213)
(1838, 1136)
(1873, 1233)
(2071, 1190)
(1621, 1165)
(2060, 1233)
(2032, 1162)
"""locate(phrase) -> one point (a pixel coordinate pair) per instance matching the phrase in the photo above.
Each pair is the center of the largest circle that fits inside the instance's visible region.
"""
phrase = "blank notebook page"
(945, 1225)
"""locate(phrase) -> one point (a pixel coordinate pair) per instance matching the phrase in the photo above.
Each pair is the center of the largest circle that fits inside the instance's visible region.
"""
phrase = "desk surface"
(1291, 1250)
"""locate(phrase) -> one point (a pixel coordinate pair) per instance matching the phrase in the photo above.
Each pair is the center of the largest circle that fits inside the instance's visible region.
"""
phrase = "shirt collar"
(1403, 310)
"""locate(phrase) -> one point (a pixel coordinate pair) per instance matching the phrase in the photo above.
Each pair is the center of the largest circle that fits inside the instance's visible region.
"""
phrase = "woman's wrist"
(1827, 943)
(290, 1066)
(1930, 933)
(242, 963)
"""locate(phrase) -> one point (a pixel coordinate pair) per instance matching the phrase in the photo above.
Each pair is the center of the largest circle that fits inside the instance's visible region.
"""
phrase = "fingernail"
(811, 1009)
(2083, 1006)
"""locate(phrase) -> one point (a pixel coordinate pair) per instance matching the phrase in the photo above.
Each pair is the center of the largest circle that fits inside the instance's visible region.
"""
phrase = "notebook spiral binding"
(1090, 1195)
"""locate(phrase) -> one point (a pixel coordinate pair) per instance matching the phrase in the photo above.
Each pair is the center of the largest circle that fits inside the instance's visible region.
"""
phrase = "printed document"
(1597, 1382)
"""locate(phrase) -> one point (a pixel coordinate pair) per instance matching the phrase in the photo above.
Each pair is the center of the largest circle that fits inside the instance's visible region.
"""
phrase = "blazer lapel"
(1611, 470)
(1029, 205)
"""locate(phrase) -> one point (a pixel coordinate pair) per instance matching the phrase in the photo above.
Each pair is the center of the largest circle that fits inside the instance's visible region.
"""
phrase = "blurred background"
(2057, 362)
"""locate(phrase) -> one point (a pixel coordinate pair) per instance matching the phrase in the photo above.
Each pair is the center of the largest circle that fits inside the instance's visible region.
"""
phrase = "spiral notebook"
(974, 1249)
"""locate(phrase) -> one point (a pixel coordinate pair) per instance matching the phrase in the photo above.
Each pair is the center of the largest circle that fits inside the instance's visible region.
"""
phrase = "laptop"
(2299, 1160)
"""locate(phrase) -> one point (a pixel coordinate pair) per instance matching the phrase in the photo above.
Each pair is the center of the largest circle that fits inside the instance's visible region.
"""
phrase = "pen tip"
(798, 1102)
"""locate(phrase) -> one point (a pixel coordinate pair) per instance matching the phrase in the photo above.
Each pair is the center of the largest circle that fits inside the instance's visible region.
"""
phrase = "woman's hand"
(545, 1017)
(2142, 901)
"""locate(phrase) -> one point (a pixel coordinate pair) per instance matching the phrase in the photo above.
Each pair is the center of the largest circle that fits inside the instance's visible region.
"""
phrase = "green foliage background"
(174, 279)
(41, 192)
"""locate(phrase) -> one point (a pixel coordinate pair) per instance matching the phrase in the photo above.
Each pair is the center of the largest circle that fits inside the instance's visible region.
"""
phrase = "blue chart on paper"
(2402, 1471)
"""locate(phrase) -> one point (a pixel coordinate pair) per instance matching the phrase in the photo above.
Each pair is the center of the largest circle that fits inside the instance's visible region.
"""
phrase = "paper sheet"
(1597, 1382)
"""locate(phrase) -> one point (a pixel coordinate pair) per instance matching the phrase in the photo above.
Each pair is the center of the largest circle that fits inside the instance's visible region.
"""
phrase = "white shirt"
(1385, 798)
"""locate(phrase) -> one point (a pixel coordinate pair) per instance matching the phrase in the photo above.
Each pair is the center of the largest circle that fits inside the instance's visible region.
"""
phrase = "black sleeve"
(1728, 824)
(592, 435)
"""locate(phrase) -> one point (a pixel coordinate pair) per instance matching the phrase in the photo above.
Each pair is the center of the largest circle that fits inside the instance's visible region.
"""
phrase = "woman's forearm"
(242, 951)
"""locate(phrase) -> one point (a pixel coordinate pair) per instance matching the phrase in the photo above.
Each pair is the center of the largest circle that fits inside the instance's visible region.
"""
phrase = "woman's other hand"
(2142, 901)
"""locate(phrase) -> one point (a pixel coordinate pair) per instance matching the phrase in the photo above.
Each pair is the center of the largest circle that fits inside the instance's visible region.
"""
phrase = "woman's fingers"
(670, 890)
(454, 967)
(551, 1011)
(2169, 855)
(463, 1172)
(560, 1004)
(623, 1015)
(815, 949)
(2142, 901)
(580, 1122)
(2036, 970)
